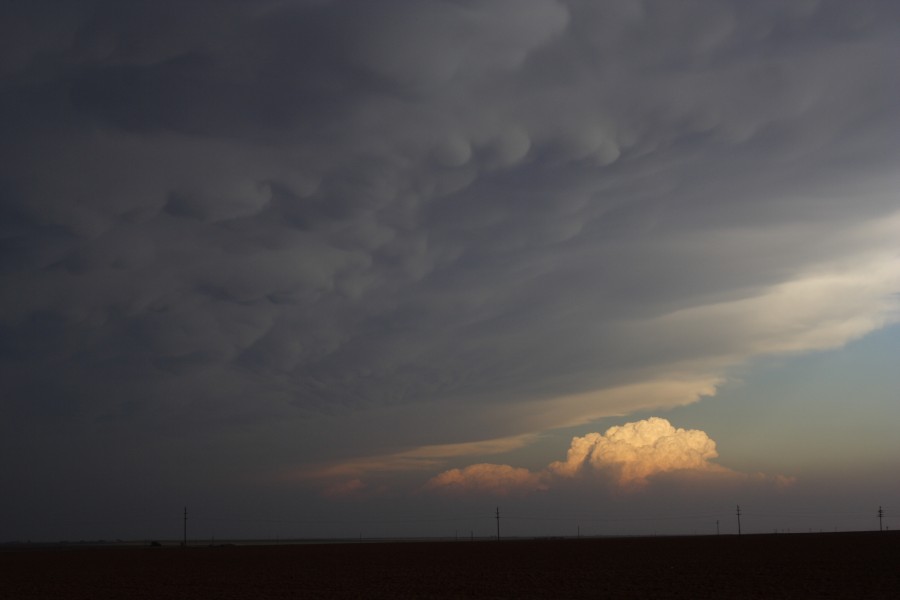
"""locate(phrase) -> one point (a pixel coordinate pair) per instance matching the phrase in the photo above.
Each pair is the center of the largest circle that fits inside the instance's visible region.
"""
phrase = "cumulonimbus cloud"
(633, 452)
(628, 456)
(386, 229)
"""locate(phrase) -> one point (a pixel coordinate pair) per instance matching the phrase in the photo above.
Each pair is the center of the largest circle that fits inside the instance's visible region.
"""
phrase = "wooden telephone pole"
(498, 523)
(739, 518)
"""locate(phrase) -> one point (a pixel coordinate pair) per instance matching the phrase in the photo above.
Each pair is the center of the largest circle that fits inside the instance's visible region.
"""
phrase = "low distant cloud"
(344, 477)
(499, 480)
(628, 456)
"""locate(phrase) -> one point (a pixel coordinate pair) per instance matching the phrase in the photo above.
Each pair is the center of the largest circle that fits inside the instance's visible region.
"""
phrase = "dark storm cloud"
(286, 220)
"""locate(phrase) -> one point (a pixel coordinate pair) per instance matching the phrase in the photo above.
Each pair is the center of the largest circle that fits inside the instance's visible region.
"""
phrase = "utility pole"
(184, 541)
(717, 527)
(498, 523)
(739, 518)
(880, 515)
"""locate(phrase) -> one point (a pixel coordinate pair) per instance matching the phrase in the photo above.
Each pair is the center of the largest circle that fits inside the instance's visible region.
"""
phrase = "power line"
(346, 521)
(614, 519)
(460, 522)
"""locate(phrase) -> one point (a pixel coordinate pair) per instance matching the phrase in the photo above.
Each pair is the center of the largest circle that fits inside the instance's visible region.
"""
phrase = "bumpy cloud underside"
(430, 222)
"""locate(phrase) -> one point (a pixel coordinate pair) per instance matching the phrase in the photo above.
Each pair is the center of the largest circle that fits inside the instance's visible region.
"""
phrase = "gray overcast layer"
(239, 236)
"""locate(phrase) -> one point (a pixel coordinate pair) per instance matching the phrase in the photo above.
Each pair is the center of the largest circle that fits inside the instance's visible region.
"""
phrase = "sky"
(343, 268)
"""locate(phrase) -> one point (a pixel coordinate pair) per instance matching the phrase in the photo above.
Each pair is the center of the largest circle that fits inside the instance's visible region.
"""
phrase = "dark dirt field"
(828, 565)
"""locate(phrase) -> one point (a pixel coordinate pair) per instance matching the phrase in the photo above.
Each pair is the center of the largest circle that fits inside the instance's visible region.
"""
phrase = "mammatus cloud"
(336, 207)
(411, 224)
(629, 456)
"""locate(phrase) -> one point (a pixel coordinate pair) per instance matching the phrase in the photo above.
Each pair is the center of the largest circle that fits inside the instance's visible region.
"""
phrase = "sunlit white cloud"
(628, 457)
(636, 451)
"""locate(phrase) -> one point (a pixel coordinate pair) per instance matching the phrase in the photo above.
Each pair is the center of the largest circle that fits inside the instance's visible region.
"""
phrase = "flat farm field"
(825, 565)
